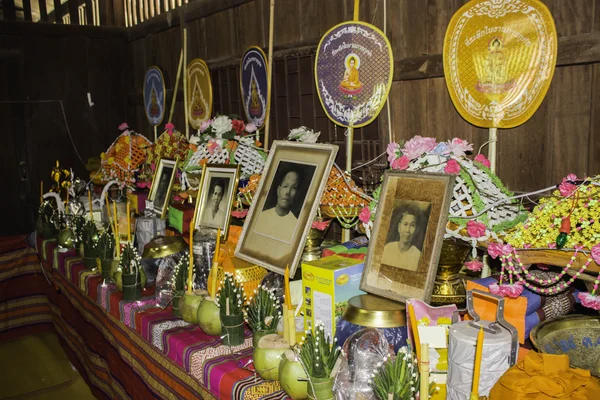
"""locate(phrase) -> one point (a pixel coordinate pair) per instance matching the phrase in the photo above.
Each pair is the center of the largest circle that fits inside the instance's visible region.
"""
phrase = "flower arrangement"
(231, 297)
(224, 127)
(398, 379)
(180, 275)
(318, 352)
(263, 312)
(304, 135)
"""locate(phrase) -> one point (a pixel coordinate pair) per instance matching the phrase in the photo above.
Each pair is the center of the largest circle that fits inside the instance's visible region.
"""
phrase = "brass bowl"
(164, 246)
(577, 336)
(375, 312)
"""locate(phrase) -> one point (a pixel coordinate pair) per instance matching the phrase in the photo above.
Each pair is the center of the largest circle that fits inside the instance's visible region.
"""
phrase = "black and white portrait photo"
(279, 217)
(161, 186)
(405, 238)
(217, 190)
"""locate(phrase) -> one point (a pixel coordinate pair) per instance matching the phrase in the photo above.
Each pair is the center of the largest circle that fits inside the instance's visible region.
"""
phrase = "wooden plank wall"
(562, 137)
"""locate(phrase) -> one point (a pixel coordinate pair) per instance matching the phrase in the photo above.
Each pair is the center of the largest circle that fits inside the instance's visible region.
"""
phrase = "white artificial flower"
(221, 125)
(195, 140)
(304, 134)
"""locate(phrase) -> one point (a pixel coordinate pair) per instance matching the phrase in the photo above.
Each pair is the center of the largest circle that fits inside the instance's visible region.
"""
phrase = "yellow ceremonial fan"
(199, 93)
(499, 59)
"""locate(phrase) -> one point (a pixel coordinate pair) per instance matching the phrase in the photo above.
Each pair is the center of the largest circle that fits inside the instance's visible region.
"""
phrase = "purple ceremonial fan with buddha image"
(353, 73)
(254, 85)
(154, 96)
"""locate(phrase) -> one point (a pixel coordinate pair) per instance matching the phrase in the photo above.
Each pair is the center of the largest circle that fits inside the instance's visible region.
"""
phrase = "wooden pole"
(176, 86)
(269, 72)
(185, 93)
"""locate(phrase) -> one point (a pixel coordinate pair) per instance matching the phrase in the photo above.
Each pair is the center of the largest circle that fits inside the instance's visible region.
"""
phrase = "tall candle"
(110, 221)
(67, 203)
(41, 192)
(191, 266)
(291, 325)
(424, 370)
(286, 321)
(286, 288)
(415, 329)
(128, 223)
(90, 202)
(477, 367)
(215, 264)
(116, 232)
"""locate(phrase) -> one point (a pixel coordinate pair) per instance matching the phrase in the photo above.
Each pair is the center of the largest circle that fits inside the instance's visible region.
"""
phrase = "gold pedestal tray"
(164, 246)
(448, 287)
(557, 257)
(375, 312)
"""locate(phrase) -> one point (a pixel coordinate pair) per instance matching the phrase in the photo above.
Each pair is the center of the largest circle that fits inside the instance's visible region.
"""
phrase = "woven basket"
(245, 273)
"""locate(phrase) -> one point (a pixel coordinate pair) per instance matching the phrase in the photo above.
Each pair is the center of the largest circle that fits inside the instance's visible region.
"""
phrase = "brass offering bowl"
(375, 312)
(577, 336)
(448, 287)
(164, 246)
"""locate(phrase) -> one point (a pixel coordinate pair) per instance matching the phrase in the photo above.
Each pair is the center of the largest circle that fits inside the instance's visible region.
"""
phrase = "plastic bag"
(396, 337)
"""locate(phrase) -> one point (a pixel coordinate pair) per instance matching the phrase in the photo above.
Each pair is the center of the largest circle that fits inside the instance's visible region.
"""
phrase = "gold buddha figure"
(351, 81)
(255, 104)
(493, 69)
(197, 106)
(154, 109)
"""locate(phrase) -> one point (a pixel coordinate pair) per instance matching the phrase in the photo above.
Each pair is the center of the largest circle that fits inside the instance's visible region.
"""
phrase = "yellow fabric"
(545, 377)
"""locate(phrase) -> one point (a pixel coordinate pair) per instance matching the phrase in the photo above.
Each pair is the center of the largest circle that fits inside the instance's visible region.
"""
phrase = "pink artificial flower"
(240, 214)
(213, 146)
(527, 246)
(169, 127)
(418, 145)
(153, 166)
(400, 163)
(391, 151)
(552, 245)
(474, 265)
(459, 147)
(476, 229)
(238, 125)
(497, 249)
(123, 126)
(320, 225)
(365, 215)
(452, 167)
(566, 188)
(589, 300)
(204, 126)
(512, 291)
(176, 199)
(250, 127)
(480, 158)
(596, 253)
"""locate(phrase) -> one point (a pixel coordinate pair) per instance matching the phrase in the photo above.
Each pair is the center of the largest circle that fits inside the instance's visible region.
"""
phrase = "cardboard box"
(180, 216)
(327, 285)
(138, 201)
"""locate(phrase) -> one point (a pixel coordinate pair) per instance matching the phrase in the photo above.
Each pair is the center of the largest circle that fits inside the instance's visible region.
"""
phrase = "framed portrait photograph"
(407, 236)
(160, 191)
(285, 204)
(216, 194)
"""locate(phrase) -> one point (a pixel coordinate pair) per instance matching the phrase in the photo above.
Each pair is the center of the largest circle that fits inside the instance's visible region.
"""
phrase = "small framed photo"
(160, 191)
(409, 228)
(285, 204)
(218, 187)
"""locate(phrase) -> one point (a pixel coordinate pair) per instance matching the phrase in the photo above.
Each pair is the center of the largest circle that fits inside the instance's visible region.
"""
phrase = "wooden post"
(269, 72)
(89, 12)
(493, 138)
(74, 11)
(185, 78)
(27, 10)
(43, 11)
(57, 12)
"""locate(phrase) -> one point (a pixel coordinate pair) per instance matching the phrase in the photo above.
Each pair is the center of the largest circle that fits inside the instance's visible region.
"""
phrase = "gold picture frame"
(162, 184)
(214, 176)
(285, 204)
(401, 262)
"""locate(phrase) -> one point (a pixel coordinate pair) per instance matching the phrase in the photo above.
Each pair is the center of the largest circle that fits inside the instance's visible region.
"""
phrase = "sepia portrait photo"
(216, 195)
(160, 191)
(407, 236)
(285, 204)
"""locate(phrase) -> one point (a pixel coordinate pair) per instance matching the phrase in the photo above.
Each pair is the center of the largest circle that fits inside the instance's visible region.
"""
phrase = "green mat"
(36, 367)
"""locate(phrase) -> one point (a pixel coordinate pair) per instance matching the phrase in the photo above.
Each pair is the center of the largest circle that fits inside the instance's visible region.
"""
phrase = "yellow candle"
(415, 330)
(116, 232)
(67, 203)
(477, 367)
(291, 327)
(286, 329)
(41, 192)
(191, 266)
(110, 221)
(286, 288)
(424, 370)
(128, 223)
(214, 268)
(90, 202)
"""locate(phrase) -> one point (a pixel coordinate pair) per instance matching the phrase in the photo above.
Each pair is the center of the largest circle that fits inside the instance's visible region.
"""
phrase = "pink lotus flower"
(566, 188)
(320, 225)
(459, 147)
(365, 215)
(452, 167)
(123, 126)
(169, 127)
(596, 253)
(497, 249)
(250, 127)
(476, 229)
(589, 300)
(392, 148)
(480, 158)
(512, 291)
(474, 265)
(213, 146)
(239, 214)
(400, 163)
(418, 145)
(204, 126)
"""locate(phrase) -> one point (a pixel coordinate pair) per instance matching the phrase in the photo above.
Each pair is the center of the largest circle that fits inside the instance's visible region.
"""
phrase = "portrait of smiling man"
(215, 210)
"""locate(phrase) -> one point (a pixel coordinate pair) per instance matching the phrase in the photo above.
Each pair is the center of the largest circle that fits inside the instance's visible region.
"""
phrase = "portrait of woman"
(405, 237)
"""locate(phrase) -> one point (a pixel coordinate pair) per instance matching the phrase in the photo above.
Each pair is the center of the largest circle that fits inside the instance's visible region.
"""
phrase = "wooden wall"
(562, 137)
(42, 66)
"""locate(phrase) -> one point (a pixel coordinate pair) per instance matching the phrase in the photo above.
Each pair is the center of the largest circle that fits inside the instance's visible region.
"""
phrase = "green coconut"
(118, 278)
(289, 372)
(267, 356)
(189, 305)
(209, 317)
